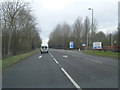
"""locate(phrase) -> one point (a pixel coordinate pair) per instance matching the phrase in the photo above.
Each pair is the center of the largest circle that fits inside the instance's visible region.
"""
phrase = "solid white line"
(73, 82)
(55, 60)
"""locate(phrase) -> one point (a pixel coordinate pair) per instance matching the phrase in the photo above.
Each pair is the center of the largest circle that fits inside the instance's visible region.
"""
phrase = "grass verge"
(103, 53)
(0, 65)
(6, 63)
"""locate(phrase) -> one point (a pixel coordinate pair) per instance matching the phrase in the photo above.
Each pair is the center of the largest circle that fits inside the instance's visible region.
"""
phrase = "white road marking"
(40, 56)
(65, 56)
(93, 60)
(50, 54)
(69, 77)
(55, 60)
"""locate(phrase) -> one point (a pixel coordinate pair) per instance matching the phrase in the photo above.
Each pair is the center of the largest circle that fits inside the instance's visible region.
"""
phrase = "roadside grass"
(103, 53)
(7, 62)
(0, 65)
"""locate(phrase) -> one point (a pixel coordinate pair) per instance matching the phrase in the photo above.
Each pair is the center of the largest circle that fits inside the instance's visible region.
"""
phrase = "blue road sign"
(71, 44)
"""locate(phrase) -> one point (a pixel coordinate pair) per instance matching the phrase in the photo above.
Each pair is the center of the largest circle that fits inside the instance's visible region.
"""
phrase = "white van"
(44, 49)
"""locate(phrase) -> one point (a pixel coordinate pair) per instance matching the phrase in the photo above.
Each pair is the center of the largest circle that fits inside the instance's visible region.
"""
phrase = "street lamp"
(92, 25)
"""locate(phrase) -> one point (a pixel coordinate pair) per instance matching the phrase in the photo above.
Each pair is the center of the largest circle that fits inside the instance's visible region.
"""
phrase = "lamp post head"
(89, 8)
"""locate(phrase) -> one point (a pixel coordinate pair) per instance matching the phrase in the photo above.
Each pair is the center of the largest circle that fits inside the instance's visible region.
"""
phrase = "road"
(62, 69)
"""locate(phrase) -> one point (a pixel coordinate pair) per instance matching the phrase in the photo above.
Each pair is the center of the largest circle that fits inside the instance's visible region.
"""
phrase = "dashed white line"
(55, 60)
(69, 77)
(50, 54)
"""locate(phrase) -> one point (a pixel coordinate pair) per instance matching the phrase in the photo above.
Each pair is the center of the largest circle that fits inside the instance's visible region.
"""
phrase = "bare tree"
(77, 32)
(18, 28)
(86, 31)
(65, 34)
(0, 33)
(10, 11)
(55, 38)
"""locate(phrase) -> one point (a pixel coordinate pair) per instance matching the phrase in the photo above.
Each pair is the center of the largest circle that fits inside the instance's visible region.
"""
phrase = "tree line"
(80, 33)
(19, 31)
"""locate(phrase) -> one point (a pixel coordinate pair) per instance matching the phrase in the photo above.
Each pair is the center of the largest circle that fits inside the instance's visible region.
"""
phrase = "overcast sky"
(51, 12)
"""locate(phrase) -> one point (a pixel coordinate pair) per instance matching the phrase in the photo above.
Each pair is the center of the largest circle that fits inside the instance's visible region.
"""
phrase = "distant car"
(44, 49)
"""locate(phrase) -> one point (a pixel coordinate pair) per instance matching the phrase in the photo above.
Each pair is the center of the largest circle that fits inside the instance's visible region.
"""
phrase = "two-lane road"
(89, 71)
(62, 69)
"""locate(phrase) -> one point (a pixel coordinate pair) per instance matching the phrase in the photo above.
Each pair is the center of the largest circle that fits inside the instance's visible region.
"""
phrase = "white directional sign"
(97, 45)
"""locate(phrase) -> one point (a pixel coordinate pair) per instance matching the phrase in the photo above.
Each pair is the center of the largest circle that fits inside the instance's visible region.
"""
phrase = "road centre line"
(69, 77)
(55, 60)
(50, 54)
